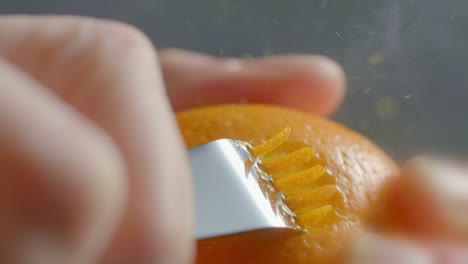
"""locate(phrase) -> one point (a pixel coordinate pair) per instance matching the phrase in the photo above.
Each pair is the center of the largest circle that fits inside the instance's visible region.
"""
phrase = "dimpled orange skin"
(359, 167)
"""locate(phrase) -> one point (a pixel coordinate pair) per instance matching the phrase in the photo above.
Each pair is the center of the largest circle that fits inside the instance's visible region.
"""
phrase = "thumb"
(430, 199)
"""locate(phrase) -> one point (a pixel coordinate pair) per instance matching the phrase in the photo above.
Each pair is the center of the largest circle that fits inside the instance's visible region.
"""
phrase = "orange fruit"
(348, 188)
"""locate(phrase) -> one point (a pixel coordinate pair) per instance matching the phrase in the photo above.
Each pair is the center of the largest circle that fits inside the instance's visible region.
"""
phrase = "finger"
(108, 72)
(431, 198)
(378, 249)
(310, 83)
(61, 179)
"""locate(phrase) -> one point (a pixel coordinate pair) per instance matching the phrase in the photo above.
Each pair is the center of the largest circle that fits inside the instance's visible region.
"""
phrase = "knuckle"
(123, 34)
(96, 172)
(115, 30)
(101, 30)
(103, 166)
(102, 196)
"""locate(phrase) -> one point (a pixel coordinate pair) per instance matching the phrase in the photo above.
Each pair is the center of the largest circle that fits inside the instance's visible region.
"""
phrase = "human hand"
(92, 166)
(430, 202)
(91, 160)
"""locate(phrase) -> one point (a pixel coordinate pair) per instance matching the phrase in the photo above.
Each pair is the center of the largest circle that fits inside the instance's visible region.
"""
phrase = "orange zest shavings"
(311, 196)
(288, 161)
(300, 178)
(271, 143)
(312, 217)
(296, 175)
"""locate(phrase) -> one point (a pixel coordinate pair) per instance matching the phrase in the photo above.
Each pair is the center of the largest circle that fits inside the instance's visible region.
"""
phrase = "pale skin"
(92, 166)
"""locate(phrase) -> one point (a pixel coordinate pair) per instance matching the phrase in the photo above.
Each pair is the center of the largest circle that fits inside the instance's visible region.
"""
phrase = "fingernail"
(372, 249)
(445, 183)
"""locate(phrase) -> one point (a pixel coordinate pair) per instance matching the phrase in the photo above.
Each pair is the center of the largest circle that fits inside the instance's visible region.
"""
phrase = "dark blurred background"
(405, 60)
